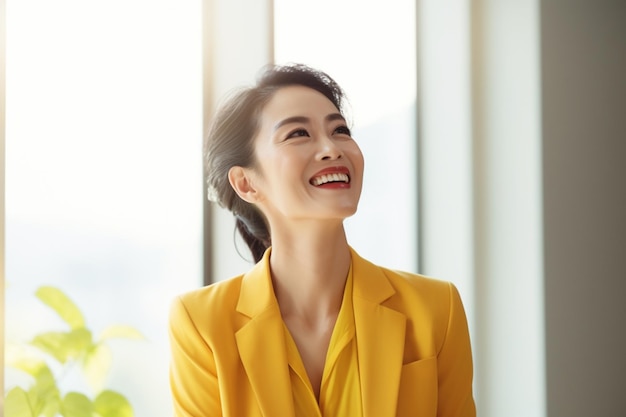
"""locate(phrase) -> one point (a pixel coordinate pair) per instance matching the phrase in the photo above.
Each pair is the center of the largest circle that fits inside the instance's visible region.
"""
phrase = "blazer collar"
(380, 333)
(257, 291)
(261, 342)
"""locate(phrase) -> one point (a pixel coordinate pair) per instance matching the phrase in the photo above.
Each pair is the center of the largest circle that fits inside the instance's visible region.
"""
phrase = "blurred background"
(494, 135)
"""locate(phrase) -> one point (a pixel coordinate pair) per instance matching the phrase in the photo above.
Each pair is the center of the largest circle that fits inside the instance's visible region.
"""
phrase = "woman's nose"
(328, 149)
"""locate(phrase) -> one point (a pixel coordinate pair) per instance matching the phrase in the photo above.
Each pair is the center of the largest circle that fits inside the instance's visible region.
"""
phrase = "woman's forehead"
(297, 100)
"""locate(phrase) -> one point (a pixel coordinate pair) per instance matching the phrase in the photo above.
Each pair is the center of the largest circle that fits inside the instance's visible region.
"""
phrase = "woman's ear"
(240, 179)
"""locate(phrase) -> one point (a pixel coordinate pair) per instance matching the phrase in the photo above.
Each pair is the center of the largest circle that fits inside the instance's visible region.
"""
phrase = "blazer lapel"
(380, 339)
(261, 343)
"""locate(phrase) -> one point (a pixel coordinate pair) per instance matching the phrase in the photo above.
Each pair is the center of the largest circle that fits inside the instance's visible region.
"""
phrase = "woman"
(312, 329)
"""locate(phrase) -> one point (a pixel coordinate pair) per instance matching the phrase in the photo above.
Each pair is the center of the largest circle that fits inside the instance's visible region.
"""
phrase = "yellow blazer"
(229, 356)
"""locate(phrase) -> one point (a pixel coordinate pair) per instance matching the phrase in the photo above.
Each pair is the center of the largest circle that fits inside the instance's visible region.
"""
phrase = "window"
(103, 177)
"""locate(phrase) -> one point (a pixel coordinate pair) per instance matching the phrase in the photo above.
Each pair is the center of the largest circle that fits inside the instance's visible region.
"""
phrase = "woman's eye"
(343, 130)
(298, 133)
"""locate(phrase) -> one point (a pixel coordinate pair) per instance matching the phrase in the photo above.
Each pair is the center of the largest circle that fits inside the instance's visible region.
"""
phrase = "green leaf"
(16, 404)
(44, 395)
(45, 384)
(76, 404)
(61, 303)
(45, 400)
(120, 332)
(96, 366)
(30, 365)
(54, 343)
(112, 404)
(52, 406)
(64, 345)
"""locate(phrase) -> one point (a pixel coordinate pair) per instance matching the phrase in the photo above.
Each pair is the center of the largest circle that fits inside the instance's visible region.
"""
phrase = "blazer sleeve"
(454, 363)
(193, 374)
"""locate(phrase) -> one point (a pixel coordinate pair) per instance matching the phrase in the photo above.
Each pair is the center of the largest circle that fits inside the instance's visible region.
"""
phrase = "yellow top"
(229, 356)
(340, 390)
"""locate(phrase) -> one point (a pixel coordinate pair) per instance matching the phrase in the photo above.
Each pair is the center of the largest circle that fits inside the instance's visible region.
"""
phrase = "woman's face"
(308, 165)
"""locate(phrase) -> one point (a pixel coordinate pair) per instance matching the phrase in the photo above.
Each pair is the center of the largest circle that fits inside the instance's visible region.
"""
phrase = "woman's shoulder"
(417, 282)
(218, 295)
(213, 302)
(431, 302)
(403, 282)
(420, 288)
(207, 317)
(410, 292)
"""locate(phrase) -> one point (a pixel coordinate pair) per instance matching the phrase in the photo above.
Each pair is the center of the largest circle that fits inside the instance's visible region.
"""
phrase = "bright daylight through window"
(103, 198)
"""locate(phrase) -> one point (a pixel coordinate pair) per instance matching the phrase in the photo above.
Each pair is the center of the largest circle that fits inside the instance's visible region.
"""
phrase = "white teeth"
(323, 179)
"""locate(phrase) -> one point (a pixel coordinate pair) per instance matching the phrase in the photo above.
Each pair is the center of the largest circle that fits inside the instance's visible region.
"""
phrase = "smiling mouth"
(337, 177)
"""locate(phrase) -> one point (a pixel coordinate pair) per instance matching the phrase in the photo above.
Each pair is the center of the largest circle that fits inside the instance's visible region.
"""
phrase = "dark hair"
(230, 142)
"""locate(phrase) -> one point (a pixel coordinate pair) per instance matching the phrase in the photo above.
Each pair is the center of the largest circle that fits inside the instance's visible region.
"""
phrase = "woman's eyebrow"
(302, 119)
(335, 116)
(294, 119)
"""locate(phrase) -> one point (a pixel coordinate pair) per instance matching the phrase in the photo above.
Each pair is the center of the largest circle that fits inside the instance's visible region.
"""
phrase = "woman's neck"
(309, 272)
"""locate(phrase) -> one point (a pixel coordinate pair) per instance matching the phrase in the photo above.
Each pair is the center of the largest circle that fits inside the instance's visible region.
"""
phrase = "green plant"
(65, 350)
